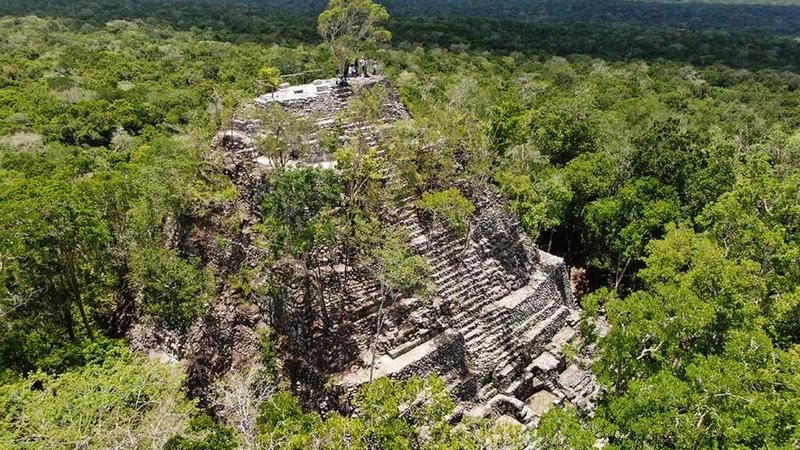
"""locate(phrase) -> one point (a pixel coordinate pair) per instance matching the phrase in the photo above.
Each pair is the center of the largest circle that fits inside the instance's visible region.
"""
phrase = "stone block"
(541, 402)
(545, 363)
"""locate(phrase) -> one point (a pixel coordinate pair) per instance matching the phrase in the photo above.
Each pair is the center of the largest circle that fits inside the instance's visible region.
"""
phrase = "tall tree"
(688, 362)
(55, 240)
(127, 402)
(399, 272)
(618, 228)
(349, 25)
(300, 216)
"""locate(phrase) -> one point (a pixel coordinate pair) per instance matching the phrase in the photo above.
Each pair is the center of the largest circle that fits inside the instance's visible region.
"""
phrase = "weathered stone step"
(465, 282)
(421, 356)
(557, 318)
(407, 346)
(515, 357)
(507, 335)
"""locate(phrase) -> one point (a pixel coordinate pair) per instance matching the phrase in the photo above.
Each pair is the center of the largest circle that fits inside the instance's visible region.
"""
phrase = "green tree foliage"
(507, 126)
(55, 242)
(347, 26)
(562, 429)
(174, 292)
(301, 214)
(360, 173)
(399, 270)
(677, 158)
(391, 415)
(269, 77)
(284, 136)
(620, 227)
(539, 205)
(74, 221)
(299, 209)
(205, 435)
(591, 176)
(283, 423)
(758, 221)
(451, 206)
(129, 402)
(386, 425)
(419, 165)
(688, 358)
(358, 163)
(597, 152)
(563, 133)
(73, 217)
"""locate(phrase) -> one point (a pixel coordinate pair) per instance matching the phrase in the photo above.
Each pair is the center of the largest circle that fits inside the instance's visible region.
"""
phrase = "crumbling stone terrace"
(322, 102)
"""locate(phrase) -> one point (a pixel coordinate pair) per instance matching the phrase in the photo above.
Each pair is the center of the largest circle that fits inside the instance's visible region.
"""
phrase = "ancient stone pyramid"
(496, 328)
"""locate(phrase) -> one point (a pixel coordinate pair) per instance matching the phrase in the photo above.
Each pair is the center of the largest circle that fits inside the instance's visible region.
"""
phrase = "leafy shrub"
(174, 292)
(123, 403)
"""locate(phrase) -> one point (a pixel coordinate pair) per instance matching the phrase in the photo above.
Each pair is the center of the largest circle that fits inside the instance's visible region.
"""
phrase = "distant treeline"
(775, 16)
(280, 21)
(779, 16)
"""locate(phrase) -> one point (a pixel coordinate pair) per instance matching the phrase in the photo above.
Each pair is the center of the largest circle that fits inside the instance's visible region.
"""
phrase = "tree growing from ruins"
(270, 78)
(451, 206)
(285, 136)
(399, 272)
(348, 26)
(300, 215)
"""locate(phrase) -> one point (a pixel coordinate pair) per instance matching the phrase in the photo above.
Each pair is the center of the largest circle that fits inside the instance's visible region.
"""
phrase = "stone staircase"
(512, 320)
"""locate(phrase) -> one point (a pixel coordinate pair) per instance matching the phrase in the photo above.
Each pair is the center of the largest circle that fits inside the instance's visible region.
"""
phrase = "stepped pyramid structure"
(496, 327)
